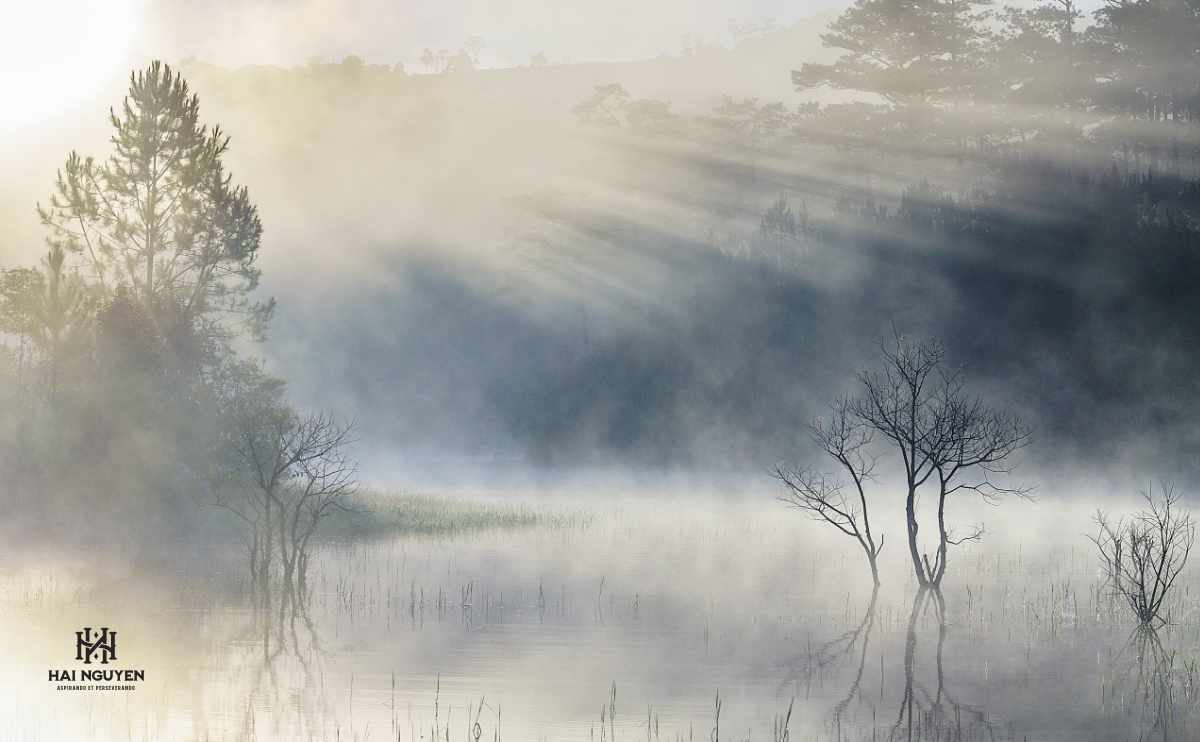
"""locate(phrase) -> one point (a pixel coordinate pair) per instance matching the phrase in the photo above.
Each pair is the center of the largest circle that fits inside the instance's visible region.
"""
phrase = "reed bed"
(430, 619)
(377, 514)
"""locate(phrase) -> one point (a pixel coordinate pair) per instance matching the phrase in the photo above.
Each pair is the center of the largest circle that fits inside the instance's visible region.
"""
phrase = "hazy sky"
(390, 31)
(55, 54)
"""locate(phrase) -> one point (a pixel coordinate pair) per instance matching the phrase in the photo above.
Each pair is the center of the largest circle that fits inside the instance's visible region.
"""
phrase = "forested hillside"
(667, 263)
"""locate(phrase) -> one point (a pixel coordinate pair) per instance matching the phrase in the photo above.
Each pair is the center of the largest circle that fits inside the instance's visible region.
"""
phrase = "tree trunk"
(943, 539)
(255, 544)
(265, 565)
(911, 512)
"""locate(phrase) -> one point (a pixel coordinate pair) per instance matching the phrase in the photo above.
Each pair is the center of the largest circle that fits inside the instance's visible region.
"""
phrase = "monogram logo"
(104, 645)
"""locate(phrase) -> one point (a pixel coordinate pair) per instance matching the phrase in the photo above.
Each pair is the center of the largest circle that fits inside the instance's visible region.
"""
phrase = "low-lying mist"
(780, 389)
(669, 265)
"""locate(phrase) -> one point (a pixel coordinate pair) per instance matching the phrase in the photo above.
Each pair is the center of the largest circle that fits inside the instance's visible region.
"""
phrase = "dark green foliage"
(781, 224)
(921, 58)
(1148, 78)
(908, 52)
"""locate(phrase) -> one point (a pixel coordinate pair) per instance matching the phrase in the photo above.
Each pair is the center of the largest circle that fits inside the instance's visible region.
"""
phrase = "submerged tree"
(942, 435)
(324, 476)
(1143, 556)
(281, 473)
(920, 405)
(845, 438)
(968, 436)
(1156, 677)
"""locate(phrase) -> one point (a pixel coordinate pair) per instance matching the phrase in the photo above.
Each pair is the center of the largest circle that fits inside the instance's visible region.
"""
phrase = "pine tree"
(1040, 70)
(1148, 68)
(160, 220)
(921, 58)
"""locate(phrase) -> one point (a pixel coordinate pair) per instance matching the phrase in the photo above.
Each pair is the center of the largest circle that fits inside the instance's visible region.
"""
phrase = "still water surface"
(673, 617)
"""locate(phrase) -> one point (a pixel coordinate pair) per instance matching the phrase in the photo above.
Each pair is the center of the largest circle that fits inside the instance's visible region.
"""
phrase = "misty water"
(642, 617)
(613, 263)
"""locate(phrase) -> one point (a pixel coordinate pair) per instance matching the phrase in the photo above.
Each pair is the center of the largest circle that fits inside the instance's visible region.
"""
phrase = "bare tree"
(322, 477)
(969, 435)
(898, 403)
(284, 473)
(921, 407)
(246, 484)
(843, 436)
(1143, 556)
(474, 45)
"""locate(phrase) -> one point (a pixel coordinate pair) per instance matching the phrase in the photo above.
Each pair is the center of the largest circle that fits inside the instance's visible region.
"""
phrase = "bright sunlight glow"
(57, 53)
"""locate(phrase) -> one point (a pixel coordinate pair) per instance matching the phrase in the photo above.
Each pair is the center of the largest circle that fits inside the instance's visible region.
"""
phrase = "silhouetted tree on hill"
(474, 45)
(601, 109)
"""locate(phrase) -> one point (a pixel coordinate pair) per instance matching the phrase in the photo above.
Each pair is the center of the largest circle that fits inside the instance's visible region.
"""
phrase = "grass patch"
(377, 514)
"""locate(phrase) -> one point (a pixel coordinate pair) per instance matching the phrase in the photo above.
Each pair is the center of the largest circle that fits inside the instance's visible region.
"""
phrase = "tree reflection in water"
(1163, 685)
(928, 709)
(933, 713)
(280, 673)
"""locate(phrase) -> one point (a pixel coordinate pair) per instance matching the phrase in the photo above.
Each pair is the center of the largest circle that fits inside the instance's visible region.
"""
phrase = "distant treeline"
(700, 285)
(1073, 299)
(679, 289)
(961, 78)
(1056, 253)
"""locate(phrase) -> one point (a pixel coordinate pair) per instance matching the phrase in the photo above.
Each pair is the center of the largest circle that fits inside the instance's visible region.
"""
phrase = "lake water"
(672, 616)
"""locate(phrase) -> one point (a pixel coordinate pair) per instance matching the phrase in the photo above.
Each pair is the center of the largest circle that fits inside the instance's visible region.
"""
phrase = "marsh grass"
(431, 602)
(374, 514)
